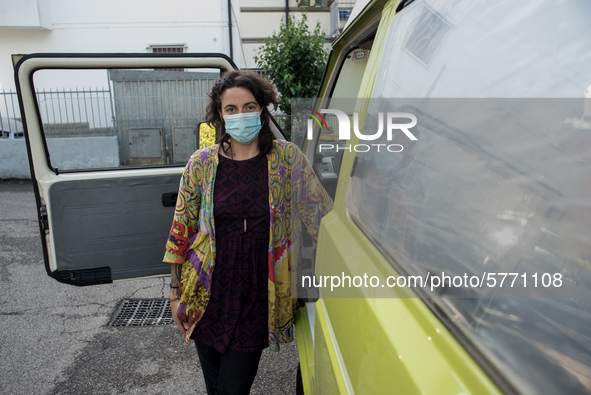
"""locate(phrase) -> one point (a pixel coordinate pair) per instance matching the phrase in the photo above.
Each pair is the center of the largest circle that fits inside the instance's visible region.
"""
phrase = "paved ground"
(55, 338)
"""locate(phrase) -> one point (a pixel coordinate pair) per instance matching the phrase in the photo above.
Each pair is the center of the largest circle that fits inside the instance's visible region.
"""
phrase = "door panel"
(119, 223)
(105, 192)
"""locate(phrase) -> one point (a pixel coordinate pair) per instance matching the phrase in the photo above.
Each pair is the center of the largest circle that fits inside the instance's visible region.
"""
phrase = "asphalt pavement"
(55, 338)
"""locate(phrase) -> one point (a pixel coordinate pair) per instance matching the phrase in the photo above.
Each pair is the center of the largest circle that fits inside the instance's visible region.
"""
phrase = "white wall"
(251, 26)
(84, 152)
(13, 159)
(30, 14)
(253, 31)
(66, 153)
(120, 26)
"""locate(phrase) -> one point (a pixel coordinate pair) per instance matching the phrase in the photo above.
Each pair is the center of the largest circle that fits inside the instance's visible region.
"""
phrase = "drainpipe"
(286, 13)
(230, 28)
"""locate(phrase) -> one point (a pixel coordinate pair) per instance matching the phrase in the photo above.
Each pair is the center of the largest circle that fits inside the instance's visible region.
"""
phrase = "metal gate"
(157, 113)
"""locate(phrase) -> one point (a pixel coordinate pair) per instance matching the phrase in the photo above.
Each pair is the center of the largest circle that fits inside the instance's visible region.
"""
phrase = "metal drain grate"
(142, 312)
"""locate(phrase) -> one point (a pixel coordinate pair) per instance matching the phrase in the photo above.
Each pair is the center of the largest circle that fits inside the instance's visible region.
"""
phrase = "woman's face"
(238, 100)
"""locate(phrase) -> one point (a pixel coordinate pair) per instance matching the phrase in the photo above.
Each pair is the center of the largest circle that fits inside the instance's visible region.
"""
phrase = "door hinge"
(43, 219)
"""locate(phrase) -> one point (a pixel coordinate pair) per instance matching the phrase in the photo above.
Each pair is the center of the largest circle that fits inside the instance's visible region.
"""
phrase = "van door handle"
(169, 199)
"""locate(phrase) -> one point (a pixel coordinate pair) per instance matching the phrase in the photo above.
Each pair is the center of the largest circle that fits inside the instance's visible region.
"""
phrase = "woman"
(234, 218)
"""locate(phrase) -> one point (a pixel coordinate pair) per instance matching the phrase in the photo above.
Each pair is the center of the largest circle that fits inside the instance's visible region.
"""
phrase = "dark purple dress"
(236, 316)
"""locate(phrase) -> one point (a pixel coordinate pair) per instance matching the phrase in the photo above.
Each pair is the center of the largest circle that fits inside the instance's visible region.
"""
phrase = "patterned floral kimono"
(294, 192)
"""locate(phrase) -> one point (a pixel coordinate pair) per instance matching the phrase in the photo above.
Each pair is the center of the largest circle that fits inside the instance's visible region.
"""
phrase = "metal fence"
(346, 4)
(63, 112)
(157, 113)
(76, 112)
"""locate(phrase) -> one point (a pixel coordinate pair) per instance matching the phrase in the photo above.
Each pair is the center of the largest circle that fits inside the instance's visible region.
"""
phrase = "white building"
(233, 27)
(135, 26)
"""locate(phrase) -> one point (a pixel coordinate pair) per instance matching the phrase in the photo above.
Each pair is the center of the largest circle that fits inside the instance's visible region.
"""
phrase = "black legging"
(231, 373)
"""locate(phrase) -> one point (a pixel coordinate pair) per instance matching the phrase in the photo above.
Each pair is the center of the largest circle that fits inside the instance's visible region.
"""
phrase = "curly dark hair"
(264, 93)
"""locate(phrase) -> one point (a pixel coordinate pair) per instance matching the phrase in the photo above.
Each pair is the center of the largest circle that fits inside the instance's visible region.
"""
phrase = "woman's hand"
(179, 319)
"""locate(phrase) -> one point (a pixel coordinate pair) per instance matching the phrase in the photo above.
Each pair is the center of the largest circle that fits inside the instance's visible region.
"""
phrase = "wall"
(66, 153)
(13, 159)
(120, 26)
(30, 14)
(253, 33)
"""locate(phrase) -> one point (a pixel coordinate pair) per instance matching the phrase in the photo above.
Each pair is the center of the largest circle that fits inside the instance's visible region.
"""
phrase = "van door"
(107, 138)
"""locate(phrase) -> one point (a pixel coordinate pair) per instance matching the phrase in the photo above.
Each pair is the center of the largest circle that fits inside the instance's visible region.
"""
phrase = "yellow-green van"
(481, 224)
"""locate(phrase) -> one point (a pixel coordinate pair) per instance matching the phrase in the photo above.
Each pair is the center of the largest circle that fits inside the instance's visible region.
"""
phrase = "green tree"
(294, 60)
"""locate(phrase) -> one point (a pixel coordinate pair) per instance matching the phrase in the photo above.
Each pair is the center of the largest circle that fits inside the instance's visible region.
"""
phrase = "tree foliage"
(294, 60)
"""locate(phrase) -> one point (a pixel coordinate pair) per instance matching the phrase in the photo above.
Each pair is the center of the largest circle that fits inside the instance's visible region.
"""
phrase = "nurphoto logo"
(391, 119)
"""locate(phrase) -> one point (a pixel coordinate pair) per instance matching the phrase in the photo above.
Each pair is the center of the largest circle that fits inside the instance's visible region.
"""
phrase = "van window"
(109, 119)
(329, 149)
(505, 191)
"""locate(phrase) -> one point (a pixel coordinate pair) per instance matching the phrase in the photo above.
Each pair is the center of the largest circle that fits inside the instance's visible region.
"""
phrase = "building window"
(168, 49)
(345, 8)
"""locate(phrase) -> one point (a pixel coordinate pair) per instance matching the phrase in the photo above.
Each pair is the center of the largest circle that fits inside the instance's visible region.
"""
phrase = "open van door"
(107, 138)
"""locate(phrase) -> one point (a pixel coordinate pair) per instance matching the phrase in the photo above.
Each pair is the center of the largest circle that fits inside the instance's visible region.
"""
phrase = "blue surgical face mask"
(243, 127)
